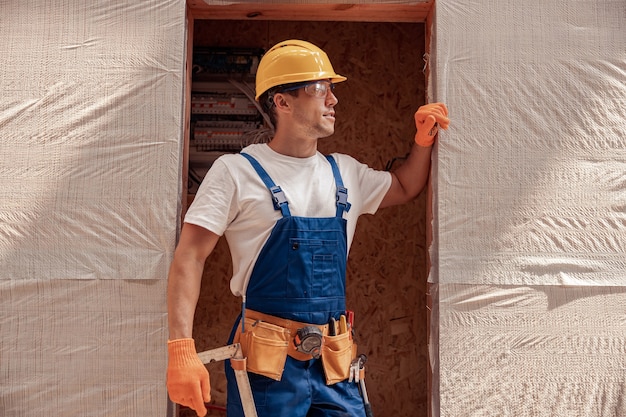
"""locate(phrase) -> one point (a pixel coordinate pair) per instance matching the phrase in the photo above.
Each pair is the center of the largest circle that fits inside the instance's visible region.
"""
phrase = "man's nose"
(331, 98)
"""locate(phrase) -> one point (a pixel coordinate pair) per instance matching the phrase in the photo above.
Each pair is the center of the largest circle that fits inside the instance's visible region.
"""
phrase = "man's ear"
(281, 102)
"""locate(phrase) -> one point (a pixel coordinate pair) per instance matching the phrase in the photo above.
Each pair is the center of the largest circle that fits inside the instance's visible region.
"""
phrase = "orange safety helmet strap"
(293, 61)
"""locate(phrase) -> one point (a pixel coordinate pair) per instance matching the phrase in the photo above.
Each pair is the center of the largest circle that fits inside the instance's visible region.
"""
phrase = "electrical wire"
(249, 92)
(393, 161)
(261, 135)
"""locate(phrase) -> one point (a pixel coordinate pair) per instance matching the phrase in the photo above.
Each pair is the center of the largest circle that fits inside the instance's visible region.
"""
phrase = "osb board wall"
(386, 281)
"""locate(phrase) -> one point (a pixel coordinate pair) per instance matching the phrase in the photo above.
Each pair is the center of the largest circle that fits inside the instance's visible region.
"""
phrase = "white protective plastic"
(91, 127)
(529, 251)
(529, 268)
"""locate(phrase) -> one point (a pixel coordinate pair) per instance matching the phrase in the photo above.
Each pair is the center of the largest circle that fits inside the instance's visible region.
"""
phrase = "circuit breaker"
(224, 114)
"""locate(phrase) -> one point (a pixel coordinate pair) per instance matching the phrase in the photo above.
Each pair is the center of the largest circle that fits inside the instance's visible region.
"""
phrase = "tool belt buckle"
(309, 340)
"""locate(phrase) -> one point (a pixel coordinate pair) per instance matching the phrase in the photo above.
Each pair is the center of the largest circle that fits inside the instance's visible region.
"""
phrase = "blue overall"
(299, 275)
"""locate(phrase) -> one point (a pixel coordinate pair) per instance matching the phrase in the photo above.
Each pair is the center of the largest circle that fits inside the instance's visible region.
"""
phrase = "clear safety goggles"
(318, 88)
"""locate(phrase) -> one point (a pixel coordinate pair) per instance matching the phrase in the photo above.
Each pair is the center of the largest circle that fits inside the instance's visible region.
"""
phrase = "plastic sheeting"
(91, 127)
(529, 252)
(528, 257)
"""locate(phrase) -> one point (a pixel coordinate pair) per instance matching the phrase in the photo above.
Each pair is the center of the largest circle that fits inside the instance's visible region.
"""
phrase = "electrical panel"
(224, 115)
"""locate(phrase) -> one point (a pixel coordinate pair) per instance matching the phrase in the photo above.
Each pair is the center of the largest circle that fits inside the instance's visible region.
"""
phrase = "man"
(289, 215)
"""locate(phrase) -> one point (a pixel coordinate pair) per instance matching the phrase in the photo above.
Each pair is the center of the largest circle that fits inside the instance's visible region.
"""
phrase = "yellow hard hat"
(293, 61)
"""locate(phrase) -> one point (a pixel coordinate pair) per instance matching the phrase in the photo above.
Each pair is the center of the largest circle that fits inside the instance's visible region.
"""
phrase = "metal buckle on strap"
(342, 198)
(278, 196)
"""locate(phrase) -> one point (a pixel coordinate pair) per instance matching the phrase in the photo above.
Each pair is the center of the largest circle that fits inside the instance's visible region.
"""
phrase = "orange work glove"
(427, 119)
(187, 378)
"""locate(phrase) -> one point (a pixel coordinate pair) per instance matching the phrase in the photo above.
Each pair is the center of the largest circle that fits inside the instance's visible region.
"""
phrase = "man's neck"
(297, 147)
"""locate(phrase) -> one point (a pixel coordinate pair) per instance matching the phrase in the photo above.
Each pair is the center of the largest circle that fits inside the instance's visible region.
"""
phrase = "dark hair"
(266, 100)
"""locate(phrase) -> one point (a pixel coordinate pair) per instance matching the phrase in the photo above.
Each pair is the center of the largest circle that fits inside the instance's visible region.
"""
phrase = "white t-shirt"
(233, 200)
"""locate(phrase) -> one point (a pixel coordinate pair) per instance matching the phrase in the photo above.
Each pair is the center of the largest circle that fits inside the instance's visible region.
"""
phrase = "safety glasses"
(315, 88)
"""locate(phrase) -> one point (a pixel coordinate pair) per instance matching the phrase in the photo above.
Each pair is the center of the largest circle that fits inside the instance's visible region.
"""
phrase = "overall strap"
(342, 192)
(278, 196)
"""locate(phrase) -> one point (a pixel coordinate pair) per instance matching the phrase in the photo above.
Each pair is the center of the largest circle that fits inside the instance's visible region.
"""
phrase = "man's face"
(314, 109)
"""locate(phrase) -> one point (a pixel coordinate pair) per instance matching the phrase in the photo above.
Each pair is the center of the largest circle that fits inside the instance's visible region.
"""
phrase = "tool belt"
(267, 340)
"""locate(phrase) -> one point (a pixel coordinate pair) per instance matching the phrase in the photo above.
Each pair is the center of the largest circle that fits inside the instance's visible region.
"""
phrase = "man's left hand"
(428, 119)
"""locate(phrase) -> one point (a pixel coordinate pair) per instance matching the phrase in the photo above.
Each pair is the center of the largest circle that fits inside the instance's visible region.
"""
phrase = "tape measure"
(309, 341)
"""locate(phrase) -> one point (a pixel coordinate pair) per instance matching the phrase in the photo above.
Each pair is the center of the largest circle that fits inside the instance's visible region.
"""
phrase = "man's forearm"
(183, 290)
(413, 174)
(185, 278)
(410, 178)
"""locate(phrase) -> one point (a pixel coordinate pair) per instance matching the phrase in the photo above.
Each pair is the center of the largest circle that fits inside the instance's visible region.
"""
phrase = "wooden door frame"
(421, 12)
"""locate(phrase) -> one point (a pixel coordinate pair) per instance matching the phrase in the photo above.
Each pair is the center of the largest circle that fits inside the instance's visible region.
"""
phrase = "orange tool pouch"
(265, 346)
(267, 340)
(337, 354)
